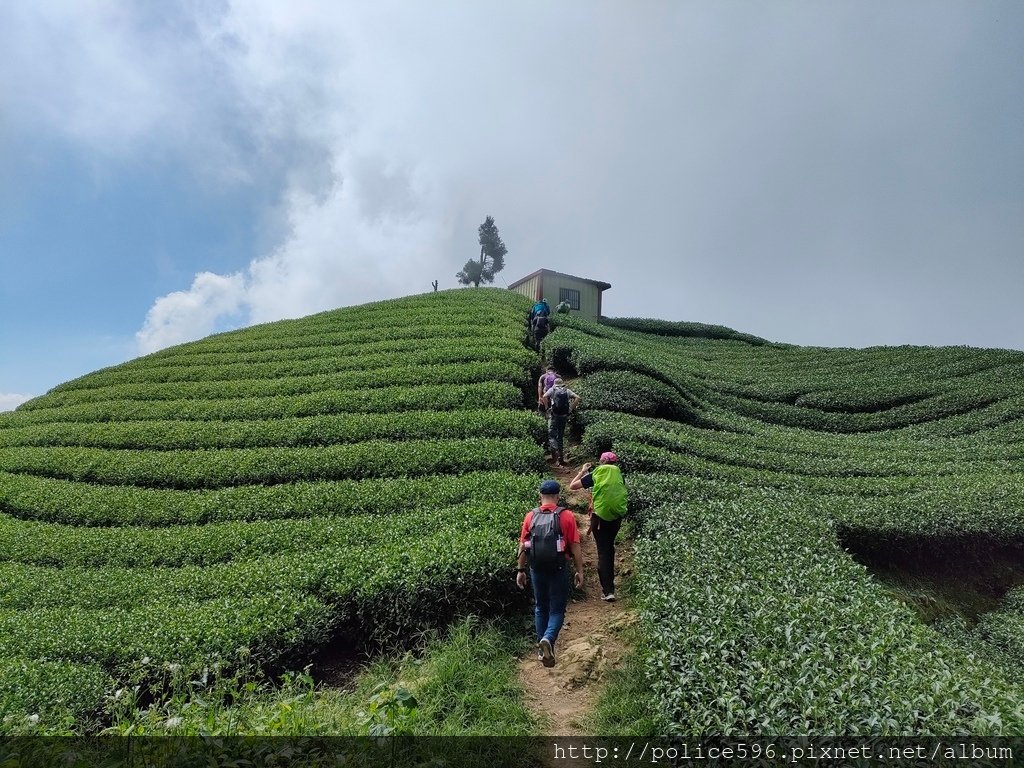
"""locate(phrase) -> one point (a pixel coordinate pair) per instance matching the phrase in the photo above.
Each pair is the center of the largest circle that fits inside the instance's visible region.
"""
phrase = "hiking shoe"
(609, 598)
(547, 654)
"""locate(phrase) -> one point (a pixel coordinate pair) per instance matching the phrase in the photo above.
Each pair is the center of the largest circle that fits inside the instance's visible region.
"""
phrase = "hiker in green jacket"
(607, 508)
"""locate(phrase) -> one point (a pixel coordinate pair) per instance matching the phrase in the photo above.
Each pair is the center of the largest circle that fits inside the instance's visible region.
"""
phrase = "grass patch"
(461, 683)
(625, 707)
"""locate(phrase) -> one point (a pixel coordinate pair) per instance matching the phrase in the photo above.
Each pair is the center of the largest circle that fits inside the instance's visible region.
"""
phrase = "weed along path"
(590, 644)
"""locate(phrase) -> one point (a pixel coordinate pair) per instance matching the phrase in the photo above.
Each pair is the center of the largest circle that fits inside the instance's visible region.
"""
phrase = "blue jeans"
(551, 593)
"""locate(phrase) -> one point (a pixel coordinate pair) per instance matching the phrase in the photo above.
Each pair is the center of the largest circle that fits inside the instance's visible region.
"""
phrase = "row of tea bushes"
(26, 497)
(212, 389)
(219, 468)
(427, 397)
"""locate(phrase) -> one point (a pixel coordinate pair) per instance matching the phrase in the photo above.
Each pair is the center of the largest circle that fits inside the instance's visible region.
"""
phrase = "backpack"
(547, 381)
(609, 492)
(560, 402)
(547, 545)
(540, 323)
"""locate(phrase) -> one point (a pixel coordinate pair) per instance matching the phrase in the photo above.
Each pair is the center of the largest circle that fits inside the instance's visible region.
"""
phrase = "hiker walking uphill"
(544, 383)
(539, 322)
(559, 401)
(607, 508)
(539, 330)
(540, 309)
(549, 539)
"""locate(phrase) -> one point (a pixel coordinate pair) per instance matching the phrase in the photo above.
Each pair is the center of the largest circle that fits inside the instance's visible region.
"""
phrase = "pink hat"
(608, 458)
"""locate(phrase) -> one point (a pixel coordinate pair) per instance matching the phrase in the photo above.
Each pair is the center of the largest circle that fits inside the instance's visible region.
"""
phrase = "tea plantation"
(358, 474)
(754, 467)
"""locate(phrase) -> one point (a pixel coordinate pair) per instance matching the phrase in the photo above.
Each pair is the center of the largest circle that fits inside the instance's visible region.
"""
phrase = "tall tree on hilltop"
(492, 257)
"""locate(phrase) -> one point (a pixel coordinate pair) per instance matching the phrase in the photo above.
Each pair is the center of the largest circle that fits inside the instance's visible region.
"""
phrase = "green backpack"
(609, 492)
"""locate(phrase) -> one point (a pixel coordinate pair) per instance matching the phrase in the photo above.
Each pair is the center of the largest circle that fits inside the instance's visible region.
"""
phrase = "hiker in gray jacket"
(560, 402)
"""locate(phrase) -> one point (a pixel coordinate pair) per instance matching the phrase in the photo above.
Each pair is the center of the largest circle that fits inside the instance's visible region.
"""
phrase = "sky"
(837, 174)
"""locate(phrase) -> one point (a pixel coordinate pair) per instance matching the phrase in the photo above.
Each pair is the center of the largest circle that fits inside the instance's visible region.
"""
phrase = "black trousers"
(604, 532)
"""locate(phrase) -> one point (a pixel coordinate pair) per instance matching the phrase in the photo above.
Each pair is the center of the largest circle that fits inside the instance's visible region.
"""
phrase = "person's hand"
(578, 581)
(521, 579)
(586, 467)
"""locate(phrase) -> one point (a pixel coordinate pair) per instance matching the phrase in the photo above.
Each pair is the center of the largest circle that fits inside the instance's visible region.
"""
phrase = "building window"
(571, 295)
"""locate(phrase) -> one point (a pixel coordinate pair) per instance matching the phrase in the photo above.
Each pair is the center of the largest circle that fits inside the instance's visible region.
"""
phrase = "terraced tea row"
(307, 431)
(327, 362)
(353, 331)
(432, 397)
(395, 376)
(383, 585)
(225, 467)
(43, 499)
(132, 547)
(303, 361)
(796, 454)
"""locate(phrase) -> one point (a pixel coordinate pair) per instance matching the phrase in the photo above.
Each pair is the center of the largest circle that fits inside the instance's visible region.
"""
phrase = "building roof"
(601, 285)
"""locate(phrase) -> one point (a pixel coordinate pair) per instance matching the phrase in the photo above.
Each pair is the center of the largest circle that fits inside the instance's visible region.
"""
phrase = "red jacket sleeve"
(569, 529)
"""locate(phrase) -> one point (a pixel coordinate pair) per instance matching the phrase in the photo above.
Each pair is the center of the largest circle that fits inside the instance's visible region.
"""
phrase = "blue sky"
(843, 174)
(90, 248)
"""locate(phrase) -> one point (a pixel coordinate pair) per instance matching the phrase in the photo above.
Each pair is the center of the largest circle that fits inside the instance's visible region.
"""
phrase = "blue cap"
(550, 487)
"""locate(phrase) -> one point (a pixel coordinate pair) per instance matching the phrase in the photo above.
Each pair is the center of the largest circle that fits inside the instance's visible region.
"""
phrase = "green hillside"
(358, 476)
(758, 469)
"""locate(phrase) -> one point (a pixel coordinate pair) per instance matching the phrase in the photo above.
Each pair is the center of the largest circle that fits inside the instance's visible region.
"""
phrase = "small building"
(583, 295)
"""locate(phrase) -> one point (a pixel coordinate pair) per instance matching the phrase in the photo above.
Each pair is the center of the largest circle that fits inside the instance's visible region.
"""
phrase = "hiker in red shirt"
(549, 539)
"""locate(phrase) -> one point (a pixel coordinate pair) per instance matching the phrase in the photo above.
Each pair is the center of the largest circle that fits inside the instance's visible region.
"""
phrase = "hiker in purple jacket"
(544, 383)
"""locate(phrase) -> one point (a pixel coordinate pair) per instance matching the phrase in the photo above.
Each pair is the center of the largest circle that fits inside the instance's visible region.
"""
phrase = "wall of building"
(530, 289)
(590, 294)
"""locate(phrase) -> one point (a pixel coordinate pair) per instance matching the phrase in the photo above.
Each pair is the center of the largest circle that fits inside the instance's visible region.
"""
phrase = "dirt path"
(590, 643)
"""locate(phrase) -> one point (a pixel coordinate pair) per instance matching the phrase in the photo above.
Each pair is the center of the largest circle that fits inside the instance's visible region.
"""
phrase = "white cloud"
(665, 147)
(371, 212)
(8, 402)
(186, 315)
(424, 126)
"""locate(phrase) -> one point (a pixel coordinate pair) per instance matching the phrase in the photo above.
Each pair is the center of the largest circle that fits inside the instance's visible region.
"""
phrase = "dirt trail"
(590, 643)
